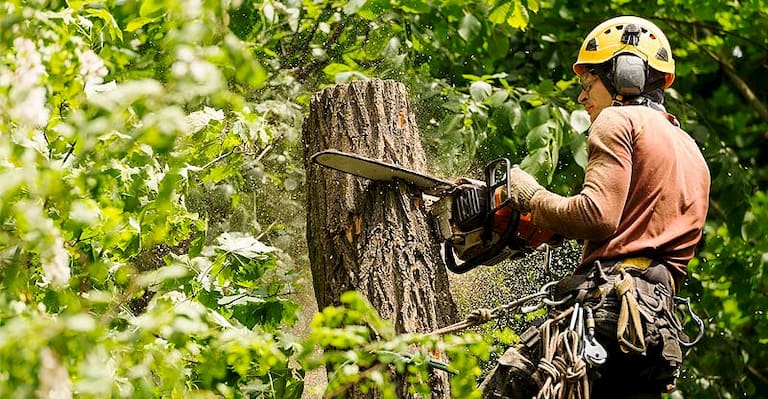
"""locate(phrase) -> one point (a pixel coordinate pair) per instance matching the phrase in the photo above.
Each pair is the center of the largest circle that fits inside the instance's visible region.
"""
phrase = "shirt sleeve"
(593, 214)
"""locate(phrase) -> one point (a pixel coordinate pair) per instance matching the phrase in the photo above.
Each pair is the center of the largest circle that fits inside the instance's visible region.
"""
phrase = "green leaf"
(537, 163)
(161, 275)
(152, 8)
(138, 23)
(109, 21)
(253, 74)
(243, 245)
(498, 98)
(498, 45)
(533, 5)
(546, 87)
(519, 17)
(76, 5)
(480, 90)
(579, 149)
(579, 121)
(538, 137)
(470, 26)
(500, 14)
(334, 68)
(515, 114)
(538, 116)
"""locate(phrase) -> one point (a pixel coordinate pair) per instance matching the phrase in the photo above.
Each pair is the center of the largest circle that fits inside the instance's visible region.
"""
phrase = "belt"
(598, 279)
(648, 269)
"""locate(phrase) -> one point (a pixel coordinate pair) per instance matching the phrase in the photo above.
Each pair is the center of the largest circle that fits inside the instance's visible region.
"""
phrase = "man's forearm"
(576, 217)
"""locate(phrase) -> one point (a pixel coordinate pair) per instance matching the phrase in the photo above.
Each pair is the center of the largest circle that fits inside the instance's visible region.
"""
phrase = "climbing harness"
(558, 358)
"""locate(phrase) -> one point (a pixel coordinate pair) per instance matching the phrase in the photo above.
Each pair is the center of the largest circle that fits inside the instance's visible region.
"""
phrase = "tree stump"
(369, 236)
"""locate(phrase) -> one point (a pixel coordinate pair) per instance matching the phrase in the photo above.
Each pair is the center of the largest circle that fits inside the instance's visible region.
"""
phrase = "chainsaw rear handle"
(490, 253)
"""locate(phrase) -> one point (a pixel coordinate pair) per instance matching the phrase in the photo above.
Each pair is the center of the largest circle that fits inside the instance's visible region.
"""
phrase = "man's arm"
(594, 214)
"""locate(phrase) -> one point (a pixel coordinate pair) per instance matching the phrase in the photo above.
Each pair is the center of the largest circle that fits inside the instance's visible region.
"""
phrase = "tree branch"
(305, 69)
(740, 84)
(716, 28)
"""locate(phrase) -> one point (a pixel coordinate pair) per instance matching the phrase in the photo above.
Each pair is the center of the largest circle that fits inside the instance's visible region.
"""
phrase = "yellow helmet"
(610, 39)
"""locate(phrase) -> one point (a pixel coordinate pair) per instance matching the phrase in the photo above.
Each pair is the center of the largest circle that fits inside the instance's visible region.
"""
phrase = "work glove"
(522, 188)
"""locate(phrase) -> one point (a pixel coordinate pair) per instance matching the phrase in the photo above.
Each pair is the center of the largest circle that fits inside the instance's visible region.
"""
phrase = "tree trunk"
(368, 236)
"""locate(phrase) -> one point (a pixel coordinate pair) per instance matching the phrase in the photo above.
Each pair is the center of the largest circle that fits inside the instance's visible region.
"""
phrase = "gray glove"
(523, 187)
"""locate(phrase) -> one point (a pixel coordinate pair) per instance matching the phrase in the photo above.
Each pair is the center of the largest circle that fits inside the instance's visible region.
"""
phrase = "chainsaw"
(474, 218)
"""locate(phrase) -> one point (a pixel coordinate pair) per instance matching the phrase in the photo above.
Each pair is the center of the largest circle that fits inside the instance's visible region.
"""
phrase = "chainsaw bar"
(376, 170)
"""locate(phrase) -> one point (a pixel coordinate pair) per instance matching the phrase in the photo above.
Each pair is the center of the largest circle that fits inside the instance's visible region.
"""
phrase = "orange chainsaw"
(474, 218)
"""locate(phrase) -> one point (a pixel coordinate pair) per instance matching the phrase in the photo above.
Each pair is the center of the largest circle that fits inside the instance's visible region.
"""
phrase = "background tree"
(153, 147)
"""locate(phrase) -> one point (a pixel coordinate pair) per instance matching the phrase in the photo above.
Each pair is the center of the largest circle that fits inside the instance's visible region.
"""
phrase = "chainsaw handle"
(450, 258)
(493, 182)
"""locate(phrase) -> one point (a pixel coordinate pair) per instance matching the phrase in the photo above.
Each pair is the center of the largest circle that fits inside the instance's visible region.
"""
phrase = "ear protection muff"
(629, 75)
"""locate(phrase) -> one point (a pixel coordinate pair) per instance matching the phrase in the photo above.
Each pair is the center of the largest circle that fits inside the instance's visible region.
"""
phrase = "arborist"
(640, 213)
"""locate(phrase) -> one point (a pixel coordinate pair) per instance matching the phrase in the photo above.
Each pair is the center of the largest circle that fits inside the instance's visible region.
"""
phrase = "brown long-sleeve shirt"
(645, 193)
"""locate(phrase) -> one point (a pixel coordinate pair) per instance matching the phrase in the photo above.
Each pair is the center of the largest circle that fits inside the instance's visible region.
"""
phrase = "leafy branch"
(743, 87)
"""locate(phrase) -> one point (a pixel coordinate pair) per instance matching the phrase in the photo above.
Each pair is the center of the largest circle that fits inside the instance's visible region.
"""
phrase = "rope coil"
(562, 364)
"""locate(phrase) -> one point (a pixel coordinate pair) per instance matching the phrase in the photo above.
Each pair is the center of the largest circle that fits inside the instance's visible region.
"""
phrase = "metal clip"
(547, 299)
(575, 322)
(696, 319)
(576, 327)
(594, 353)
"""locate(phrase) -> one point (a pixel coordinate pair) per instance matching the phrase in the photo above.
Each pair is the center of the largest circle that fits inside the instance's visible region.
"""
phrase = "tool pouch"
(662, 333)
(514, 376)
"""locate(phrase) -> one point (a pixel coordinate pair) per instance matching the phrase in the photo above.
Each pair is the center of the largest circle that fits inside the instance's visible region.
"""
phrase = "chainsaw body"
(479, 225)
(474, 218)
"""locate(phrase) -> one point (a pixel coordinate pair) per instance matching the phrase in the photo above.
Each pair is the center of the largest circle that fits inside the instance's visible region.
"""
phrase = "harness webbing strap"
(639, 263)
(629, 329)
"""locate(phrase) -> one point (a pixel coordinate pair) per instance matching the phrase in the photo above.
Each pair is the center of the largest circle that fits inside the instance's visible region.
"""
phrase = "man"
(640, 213)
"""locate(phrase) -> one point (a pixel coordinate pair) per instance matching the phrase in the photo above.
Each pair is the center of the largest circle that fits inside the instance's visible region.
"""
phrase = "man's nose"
(582, 97)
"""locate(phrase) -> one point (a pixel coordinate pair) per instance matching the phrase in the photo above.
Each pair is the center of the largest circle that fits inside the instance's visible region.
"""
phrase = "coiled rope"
(562, 366)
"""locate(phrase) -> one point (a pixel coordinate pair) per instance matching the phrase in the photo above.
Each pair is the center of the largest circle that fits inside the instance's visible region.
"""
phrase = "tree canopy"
(151, 178)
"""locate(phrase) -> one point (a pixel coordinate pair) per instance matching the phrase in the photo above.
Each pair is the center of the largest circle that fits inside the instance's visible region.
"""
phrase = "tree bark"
(369, 236)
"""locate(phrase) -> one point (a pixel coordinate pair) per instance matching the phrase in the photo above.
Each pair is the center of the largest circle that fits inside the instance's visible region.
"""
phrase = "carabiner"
(696, 319)
(544, 291)
(552, 302)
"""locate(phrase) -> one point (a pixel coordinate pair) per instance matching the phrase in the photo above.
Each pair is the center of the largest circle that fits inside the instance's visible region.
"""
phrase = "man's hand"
(523, 187)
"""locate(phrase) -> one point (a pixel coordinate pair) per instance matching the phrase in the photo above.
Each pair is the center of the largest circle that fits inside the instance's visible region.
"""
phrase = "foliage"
(362, 350)
(151, 169)
(113, 116)
(731, 272)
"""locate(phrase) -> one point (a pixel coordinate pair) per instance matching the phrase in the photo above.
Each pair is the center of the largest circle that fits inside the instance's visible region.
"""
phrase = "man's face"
(594, 95)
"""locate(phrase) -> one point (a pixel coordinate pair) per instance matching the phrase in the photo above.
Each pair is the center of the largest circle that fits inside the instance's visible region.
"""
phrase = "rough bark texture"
(367, 236)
